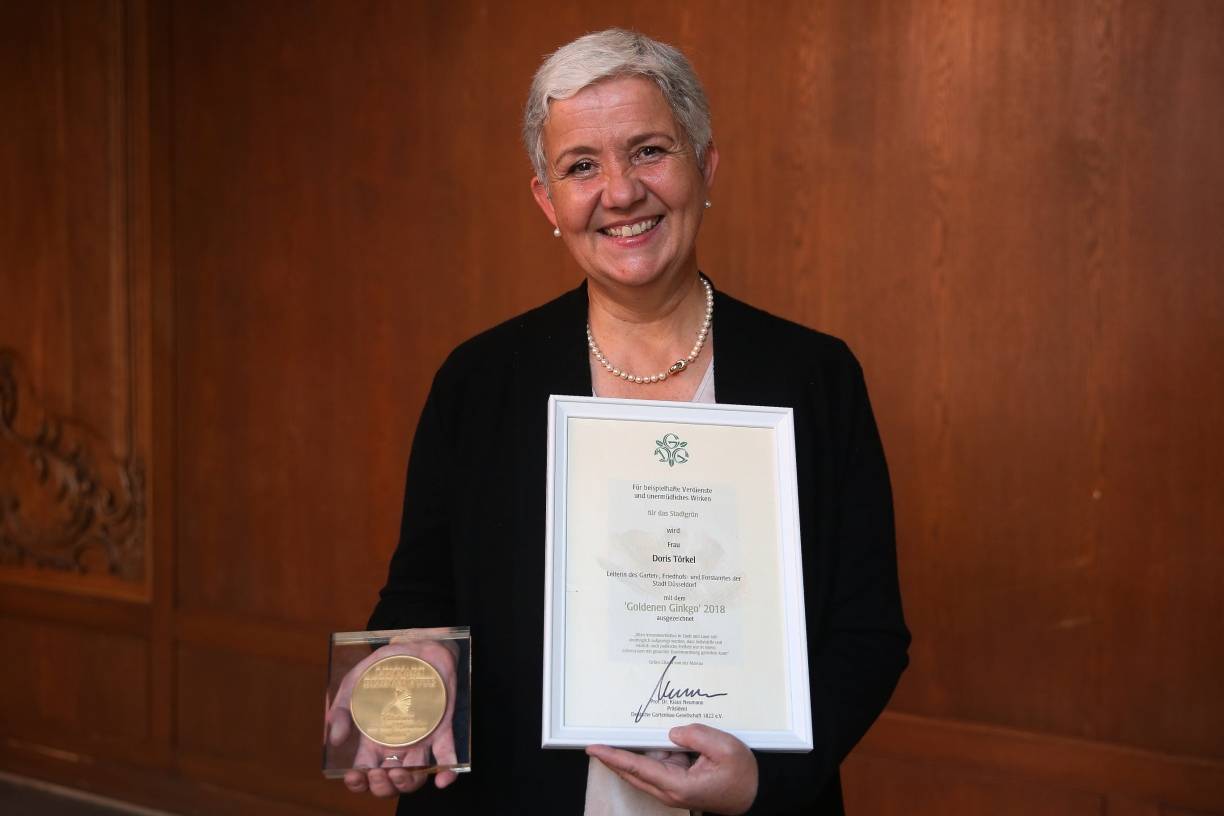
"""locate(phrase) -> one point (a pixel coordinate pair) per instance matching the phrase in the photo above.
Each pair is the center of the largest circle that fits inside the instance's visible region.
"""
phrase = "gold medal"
(398, 701)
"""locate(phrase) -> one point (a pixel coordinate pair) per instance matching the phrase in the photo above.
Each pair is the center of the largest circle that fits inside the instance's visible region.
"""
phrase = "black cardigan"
(471, 549)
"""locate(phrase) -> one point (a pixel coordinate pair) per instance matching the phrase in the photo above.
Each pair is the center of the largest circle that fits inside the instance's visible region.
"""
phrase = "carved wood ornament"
(66, 502)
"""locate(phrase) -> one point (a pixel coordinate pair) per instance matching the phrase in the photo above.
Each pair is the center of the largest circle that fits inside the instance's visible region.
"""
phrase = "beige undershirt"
(606, 793)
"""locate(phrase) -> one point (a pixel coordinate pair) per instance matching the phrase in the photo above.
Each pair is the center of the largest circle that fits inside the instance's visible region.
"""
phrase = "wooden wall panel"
(1010, 210)
(297, 225)
(74, 378)
(77, 356)
(257, 735)
(215, 722)
(62, 234)
(66, 684)
(884, 786)
(1051, 761)
(1161, 383)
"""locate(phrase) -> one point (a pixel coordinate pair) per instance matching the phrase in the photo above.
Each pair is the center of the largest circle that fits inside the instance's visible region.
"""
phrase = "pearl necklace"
(674, 368)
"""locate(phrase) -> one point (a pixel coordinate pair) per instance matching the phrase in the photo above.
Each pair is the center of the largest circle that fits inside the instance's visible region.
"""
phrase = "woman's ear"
(711, 164)
(539, 191)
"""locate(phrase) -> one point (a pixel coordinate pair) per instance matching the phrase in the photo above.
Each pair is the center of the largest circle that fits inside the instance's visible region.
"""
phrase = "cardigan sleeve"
(858, 642)
(419, 591)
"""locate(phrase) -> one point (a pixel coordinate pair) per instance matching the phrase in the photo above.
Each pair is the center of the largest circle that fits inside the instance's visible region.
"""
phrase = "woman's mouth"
(630, 230)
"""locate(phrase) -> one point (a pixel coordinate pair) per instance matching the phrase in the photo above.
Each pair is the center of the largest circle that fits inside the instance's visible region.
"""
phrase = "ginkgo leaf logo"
(671, 450)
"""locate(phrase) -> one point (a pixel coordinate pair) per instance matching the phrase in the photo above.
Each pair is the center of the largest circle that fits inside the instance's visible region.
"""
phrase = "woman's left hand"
(722, 780)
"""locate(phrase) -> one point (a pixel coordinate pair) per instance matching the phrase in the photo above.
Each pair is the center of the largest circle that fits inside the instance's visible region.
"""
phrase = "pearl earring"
(708, 204)
(556, 232)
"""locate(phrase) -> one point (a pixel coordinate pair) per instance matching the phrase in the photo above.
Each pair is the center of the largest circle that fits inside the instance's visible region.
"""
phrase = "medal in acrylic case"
(398, 698)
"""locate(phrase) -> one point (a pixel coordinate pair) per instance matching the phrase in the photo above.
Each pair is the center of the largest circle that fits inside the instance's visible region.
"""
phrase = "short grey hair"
(616, 52)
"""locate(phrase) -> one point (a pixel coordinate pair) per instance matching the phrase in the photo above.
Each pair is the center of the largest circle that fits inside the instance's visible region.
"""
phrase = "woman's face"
(623, 187)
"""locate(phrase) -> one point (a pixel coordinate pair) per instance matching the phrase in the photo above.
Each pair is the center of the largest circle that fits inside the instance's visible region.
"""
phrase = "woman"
(618, 130)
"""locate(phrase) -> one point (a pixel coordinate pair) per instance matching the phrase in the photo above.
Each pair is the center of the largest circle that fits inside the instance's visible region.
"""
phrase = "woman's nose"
(621, 188)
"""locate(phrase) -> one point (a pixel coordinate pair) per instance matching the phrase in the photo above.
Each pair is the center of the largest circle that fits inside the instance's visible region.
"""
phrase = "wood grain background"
(237, 239)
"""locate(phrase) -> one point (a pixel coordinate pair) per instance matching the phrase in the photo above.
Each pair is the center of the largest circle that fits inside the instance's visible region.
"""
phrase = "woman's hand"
(385, 771)
(722, 780)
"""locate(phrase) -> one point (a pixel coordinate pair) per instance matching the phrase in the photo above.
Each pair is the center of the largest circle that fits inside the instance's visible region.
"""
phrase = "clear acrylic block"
(399, 698)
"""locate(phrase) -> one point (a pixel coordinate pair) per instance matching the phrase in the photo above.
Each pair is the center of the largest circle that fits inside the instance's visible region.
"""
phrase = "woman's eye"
(581, 167)
(650, 151)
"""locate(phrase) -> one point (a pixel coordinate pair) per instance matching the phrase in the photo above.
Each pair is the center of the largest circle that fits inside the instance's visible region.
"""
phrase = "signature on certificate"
(663, 692)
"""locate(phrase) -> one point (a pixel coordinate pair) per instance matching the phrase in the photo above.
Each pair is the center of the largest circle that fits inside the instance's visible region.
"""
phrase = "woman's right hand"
(387, 771)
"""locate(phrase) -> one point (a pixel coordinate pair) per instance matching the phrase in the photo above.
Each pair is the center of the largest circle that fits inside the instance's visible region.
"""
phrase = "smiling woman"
(624, 187)
(623, 184)
(618, 130)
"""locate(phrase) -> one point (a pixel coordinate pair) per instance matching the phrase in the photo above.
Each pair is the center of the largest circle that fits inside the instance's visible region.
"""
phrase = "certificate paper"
(674, 585)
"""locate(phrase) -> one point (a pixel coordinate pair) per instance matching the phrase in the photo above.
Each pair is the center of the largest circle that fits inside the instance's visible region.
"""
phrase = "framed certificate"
(674, 588)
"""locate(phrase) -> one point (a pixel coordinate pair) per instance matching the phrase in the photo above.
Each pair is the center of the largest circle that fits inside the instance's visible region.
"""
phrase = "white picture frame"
(586, 463)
